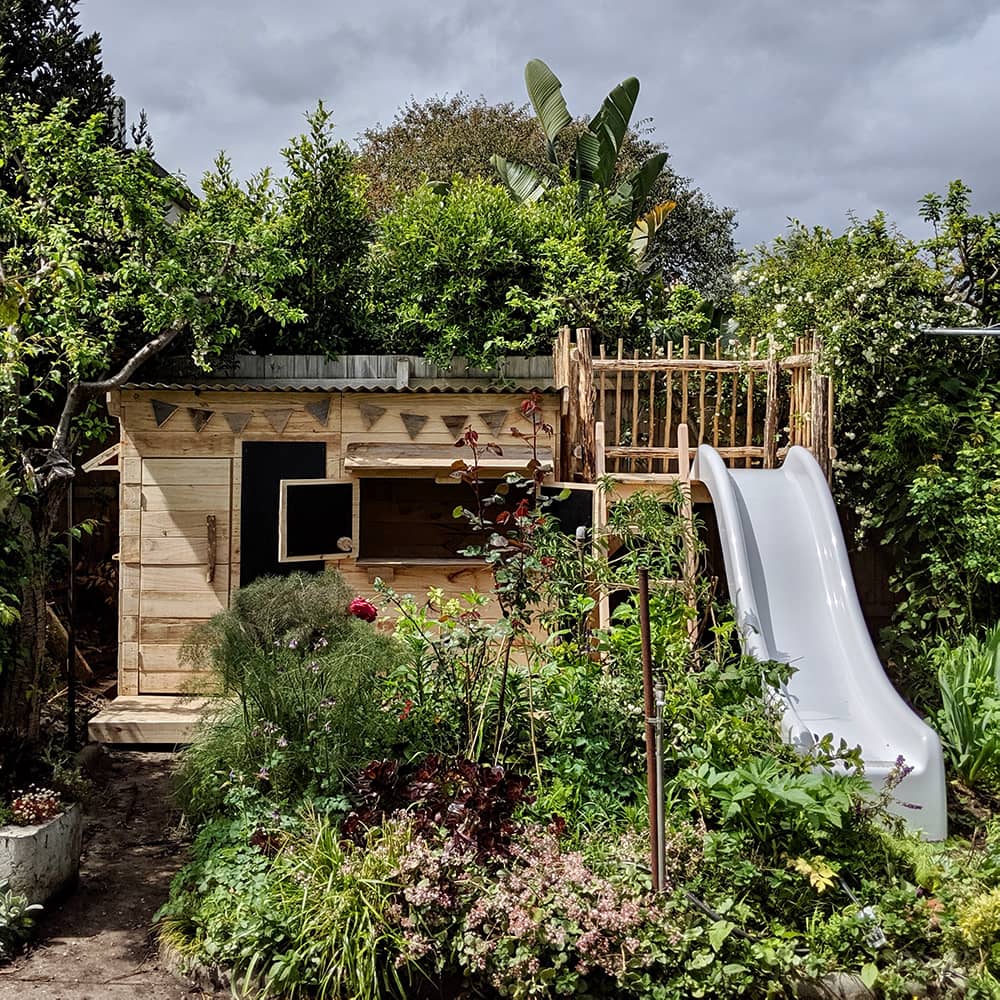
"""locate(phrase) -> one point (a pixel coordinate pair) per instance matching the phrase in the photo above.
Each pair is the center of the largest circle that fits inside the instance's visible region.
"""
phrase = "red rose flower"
(363, 609)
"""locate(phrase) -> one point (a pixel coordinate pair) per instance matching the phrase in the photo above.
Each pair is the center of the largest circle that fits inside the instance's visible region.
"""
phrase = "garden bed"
(40, 860)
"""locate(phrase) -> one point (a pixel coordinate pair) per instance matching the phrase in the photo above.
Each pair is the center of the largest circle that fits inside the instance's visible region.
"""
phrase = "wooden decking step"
(151, 718)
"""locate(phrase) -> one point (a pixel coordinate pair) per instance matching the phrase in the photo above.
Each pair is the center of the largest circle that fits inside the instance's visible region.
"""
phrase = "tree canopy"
(45, 58)
(96, 279)
(443, 137)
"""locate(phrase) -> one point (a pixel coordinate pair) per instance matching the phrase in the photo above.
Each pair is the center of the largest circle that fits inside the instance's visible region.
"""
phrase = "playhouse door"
(184, 561)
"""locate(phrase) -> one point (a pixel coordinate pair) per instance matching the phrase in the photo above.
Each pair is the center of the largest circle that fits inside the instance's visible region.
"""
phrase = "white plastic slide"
(791, 586)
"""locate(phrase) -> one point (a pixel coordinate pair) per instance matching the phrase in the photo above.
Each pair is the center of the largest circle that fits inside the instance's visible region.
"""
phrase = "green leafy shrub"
(469, 271)
(17, 919)
(968, 720)
(303, 677)
(936, 502)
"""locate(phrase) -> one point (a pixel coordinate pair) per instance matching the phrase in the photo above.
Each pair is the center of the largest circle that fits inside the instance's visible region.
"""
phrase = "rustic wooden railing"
(752, 409)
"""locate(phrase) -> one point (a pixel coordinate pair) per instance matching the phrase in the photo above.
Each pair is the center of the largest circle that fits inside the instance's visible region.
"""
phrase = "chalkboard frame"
(552, 490)
(283, 555)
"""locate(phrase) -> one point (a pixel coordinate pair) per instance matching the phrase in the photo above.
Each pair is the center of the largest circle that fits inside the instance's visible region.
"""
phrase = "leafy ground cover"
(458, 808)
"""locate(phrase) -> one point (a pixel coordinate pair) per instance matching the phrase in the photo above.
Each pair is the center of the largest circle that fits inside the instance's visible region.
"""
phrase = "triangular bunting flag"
(456, 424)
(162, 412)
(238, 421)
(414, 423)
(370, 414)
(320, 410)
(494, 420)
(278, 419)
(199, 417)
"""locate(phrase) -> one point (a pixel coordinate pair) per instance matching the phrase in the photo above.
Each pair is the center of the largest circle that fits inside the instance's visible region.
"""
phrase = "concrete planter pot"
(38, 861)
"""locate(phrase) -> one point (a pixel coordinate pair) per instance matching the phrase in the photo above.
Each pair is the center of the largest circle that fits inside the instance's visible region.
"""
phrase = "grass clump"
(300, 710)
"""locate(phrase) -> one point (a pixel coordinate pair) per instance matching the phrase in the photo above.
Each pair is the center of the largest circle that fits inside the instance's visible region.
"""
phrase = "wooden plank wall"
(174, 475)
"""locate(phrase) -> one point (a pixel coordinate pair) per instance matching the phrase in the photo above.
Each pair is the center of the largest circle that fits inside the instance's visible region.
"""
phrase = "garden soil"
(94, 943)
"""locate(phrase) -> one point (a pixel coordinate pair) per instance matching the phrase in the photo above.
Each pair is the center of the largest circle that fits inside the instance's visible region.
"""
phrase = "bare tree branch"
(80, 392)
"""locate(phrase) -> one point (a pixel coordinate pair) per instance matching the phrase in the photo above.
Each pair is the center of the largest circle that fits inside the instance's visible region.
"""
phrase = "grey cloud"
(776, 107)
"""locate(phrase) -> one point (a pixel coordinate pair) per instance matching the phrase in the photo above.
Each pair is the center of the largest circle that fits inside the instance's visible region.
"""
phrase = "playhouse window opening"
(410, 518)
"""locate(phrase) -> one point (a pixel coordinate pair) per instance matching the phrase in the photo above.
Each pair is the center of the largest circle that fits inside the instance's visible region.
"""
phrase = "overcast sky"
(778, 108)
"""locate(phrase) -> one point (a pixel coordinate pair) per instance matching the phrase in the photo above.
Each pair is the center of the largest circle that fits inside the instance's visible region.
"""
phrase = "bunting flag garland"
(494, 420)
(320, 410)
(370, 414)
(162, 412)
(237, 421)
(278, 419)
(456, 424)
(414, 423)
(199, 417)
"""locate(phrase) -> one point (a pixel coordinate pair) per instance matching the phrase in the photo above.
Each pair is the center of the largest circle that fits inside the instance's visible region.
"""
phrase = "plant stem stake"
(70, 625)
(660, 833)
(649, 709)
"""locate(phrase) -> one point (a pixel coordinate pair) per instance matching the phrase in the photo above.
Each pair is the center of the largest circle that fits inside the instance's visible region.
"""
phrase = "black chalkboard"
(317, 515)
(265, 464)
(576, 510)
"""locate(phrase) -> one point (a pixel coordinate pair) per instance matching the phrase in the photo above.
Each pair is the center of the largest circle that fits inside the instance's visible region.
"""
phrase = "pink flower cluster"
(37, 805)
(546, 908)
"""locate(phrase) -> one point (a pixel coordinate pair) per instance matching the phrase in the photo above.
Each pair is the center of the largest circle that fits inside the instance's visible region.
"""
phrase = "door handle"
(212, 545)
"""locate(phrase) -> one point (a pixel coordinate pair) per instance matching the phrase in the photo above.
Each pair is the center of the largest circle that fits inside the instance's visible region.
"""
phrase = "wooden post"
(634, 436)
(618, 402)
(601, 519)
(701, 396)
(818, 421)
(749, 428)
(718, 395)
(585, 406)
(571, 418)
(690, 569)
(771, 413)
(668, 425)
(651, 439)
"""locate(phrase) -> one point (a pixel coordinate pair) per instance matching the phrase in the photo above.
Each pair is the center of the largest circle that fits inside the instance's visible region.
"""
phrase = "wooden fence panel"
(751, 408)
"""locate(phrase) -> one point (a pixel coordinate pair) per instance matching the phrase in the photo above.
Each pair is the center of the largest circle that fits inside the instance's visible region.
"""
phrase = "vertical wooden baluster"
(771, 413)
(684, 384)
(796, 413)
(618, 402)
(748, 462)
(669, 417)
(633, 463)
(733, 406)
(829, 423)
(603, 391)
(651, 463)
(701, 395)
(718, 394)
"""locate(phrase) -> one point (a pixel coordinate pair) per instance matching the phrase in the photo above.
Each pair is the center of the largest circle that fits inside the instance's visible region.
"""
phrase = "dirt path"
(94, 944)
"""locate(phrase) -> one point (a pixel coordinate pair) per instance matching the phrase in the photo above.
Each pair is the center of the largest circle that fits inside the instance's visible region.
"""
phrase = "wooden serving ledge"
(153, 719)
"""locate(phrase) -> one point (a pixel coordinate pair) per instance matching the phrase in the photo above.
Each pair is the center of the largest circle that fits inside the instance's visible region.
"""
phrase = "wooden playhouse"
(301, 463)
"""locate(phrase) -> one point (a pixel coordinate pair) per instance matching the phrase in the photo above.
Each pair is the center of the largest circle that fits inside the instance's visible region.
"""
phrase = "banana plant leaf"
(645, 228)
(610, 125)
(523, 182)
(545, 92)
(634, 190)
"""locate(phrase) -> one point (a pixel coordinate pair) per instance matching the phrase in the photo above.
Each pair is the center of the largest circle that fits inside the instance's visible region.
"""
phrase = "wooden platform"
(627, 483)
(163, 719)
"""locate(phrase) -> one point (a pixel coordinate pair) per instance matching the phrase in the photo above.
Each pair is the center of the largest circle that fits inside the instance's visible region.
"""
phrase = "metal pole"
(660, 818)
(70, 625)
(649, 709)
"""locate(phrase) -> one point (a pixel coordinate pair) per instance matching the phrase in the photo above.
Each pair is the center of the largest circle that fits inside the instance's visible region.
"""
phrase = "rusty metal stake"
(649, 707)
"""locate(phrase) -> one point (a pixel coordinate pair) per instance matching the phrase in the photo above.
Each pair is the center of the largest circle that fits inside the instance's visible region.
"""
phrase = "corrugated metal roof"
(460, 386)
(364, 373)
